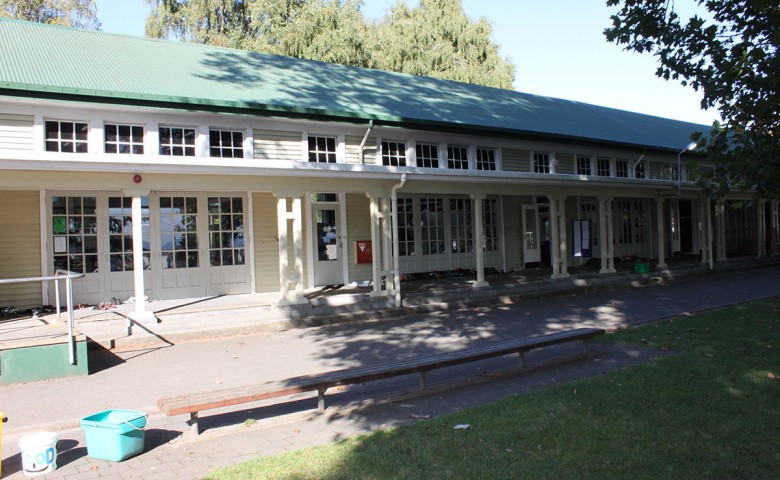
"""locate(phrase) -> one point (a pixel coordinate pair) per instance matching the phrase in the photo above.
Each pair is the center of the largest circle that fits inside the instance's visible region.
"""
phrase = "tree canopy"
(727, 50)
(68, 13)
(435, 38)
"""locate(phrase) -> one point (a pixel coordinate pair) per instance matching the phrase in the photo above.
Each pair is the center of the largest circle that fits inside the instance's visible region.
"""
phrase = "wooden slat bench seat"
(197, 402)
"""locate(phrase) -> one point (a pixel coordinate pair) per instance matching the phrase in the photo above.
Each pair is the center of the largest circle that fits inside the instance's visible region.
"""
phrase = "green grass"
(709, 410)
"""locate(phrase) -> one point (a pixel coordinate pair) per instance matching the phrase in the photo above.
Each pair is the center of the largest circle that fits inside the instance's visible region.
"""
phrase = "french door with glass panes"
(193, 245)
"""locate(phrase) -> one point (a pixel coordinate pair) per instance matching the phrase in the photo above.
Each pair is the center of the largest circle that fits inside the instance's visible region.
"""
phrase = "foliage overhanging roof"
(56, 62)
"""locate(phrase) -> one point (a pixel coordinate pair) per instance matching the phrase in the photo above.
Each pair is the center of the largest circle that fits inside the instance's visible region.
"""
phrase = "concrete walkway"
(135, 377)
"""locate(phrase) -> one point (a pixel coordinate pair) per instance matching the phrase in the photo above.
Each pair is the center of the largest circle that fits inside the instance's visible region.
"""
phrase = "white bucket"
(39, 453)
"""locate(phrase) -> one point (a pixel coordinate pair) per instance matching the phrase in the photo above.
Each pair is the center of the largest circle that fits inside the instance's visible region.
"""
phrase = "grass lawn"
(710, 410)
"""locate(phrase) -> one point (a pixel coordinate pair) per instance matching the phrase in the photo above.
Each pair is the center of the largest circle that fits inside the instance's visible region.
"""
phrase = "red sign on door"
(363, 248)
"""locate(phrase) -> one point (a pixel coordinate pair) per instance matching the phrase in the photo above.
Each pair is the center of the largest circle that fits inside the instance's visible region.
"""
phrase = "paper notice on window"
(60, 244)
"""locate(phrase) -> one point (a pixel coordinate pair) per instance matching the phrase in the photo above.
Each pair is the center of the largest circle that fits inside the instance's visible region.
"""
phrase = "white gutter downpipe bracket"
(363, 143)
(394, 225)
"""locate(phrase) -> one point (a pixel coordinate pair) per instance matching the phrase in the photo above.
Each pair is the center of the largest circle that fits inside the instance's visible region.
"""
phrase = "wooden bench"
(197, 402)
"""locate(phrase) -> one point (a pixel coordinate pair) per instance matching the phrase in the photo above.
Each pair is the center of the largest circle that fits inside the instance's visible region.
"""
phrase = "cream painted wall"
(513, 234)
(20, 247)
(265, 243)
(359, 228)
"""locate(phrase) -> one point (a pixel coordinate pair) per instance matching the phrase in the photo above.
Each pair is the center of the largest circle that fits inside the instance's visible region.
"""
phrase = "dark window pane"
(164, 150)
(138, 149)
(124, 133)
(66, 130)
(189, 136)
(238, 205)
(124, 148)
(331, 144)
(214, 138)
(216, 258)
(81, 147)
(52, 130)
(52, 146)
(226, 139)
(189, 151)
(177, 151)
(239, 153)
(165, 135)
(110, 133)
(66, 147)
(215, 152)
(238, 139)
(138, 134)
(177, 135)
(81, 131)
(110, 148)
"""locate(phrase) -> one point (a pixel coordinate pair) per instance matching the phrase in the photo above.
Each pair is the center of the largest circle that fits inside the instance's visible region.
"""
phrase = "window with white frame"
(405, 227)
(541, 162)
(177, 141)
(226, 143)
(461, 230)
(432, 226)
(124, 139)
(74, 233)
(486, 158)
(62, 136)
(394, 154)
(602, 166)
(621, 168)
(583, 165)
(427, 155)
(457, 158)
(490, 224)
(322, 149)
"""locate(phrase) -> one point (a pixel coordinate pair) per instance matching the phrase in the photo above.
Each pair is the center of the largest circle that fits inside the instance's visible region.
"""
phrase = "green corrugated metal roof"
(99, 66)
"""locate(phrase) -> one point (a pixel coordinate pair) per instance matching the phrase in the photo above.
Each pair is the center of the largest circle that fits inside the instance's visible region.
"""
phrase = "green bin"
(115, 435)
(642, 267)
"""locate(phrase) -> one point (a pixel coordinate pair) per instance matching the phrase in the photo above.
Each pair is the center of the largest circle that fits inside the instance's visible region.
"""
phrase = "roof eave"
(10, 89)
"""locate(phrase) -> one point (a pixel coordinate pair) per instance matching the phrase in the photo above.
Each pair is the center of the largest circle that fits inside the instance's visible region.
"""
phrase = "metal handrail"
(58, 275)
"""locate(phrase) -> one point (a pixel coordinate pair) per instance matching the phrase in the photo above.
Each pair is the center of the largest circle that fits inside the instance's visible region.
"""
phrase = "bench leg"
(521, 357)
(321, 398)
(423, 376)
(194, 430)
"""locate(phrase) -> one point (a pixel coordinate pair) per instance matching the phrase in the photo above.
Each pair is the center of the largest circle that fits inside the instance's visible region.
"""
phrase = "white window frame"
(317, 152)
(400, 157)
(461, 161)
(542, 163)
(59, 140)
(588, 160)
(118, 142)
(599, 170)
(233, 146)
(493, 161)
(184, 145)
(437, 158)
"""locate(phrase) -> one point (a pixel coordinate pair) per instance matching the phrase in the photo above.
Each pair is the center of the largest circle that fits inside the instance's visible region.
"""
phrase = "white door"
(228, 270)
(180, 224)
(329, 244)
(120, 282)
(531, 250)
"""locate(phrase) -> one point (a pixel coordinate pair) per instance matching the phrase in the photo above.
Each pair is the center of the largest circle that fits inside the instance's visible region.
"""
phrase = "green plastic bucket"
(115, 435)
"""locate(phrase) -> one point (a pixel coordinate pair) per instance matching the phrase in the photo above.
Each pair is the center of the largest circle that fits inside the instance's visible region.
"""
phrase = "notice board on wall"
(583, 247)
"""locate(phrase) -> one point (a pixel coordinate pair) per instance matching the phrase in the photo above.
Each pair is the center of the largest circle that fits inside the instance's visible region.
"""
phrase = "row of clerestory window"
(71, 137)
